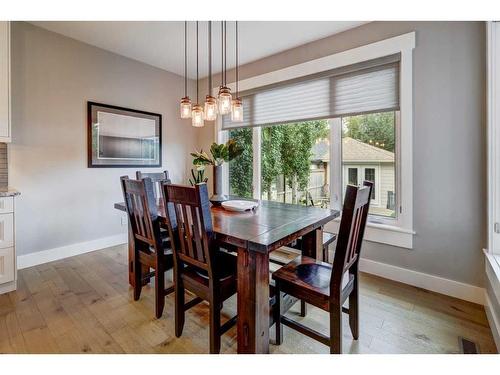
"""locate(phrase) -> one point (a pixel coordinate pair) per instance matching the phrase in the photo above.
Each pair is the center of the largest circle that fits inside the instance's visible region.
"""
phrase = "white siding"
(387, 182)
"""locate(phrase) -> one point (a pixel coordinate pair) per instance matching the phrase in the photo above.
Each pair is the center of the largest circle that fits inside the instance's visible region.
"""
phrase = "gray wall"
(63, 202)
(449, 141)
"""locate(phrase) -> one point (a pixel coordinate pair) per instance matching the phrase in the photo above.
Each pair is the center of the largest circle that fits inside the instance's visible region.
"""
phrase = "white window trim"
(493, 82)
(401, 233)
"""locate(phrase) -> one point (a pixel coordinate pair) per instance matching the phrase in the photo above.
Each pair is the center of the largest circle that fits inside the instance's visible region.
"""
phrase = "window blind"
(372, 89)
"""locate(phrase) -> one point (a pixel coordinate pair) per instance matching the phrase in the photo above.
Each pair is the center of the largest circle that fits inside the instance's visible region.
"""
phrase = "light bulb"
(210, 108)
(237, 110)
(197, 116)
(225, 99)
(185, 107)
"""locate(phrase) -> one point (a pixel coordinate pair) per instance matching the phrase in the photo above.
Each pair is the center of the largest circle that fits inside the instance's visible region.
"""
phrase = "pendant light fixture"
(224, 96)
(237, 105)
(210, 101)
(185, 101)
(197, 113)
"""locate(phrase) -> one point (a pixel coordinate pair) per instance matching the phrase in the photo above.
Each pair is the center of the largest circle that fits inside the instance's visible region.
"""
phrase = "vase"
(217, 198)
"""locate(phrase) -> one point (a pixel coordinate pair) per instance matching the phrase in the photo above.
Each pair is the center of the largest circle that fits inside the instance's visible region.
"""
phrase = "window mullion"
(256, 178)
(336, 163)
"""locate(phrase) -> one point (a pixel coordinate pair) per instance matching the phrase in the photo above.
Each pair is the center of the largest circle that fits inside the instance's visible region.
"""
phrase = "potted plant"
(220, 153)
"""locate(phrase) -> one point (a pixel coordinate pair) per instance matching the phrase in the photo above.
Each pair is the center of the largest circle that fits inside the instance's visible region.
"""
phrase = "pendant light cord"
(225, 53)
(210, 58)
(197, 80)
(237, 72)
(222, 53)
(185, 58)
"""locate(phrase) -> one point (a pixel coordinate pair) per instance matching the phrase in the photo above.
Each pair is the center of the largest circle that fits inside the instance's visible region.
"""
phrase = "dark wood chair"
(320, 284)
(285, 254)
(151, 248)
(156, 177)
(199, 265)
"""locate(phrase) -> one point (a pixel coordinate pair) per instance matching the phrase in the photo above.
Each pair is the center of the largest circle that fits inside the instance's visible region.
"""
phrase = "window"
(352, 176)
(369, 153)
(310, 133)
(295, 163)
(240, 169)
(370, 176)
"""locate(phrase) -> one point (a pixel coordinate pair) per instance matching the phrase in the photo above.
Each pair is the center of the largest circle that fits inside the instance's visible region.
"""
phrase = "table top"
(267, 227)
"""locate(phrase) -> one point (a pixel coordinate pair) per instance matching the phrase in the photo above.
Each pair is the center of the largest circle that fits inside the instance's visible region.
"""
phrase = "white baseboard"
(45, 256)
(8, 287)
(494, 323)
(425, 281)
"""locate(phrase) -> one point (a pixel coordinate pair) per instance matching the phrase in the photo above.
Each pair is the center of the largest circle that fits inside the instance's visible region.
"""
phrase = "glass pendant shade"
(210, 108)
(186, 107)
(225, 100)
(197, 116)
(237, 110)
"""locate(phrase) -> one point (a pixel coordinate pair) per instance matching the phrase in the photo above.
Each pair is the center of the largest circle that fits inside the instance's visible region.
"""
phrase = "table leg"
(312, 245)
(253, 302)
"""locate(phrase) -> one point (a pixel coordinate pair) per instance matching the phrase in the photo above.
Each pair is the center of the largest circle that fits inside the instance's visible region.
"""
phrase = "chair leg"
(354, 309)
(179, 307)
(303, 308)
(277, 316)
(137, 277)
(325, 254)
(159, 290)
(335, 329)
(214, 328)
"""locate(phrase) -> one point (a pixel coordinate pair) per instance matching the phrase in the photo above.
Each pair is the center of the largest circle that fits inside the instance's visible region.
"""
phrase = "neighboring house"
(361, 161)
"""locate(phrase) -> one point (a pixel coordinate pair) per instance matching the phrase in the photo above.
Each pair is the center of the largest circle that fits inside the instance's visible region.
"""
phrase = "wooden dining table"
(254, 235)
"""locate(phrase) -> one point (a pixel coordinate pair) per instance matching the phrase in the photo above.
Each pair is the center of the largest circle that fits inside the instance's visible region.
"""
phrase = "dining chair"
(200, 266)
(156, 177)
(150, 247)
(321, 284)
(285, 254)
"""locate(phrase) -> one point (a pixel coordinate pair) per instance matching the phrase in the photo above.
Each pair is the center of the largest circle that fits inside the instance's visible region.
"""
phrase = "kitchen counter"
(8, 192)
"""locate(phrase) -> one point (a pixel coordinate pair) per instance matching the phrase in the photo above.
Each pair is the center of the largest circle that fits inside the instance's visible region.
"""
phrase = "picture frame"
(120, 137)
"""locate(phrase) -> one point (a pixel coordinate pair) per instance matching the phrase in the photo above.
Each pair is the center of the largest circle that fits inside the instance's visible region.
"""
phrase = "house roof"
(354, 151)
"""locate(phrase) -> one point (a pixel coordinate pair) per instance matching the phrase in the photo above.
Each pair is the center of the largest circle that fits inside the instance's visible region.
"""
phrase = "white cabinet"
(7, 266)
(5, 123)
(8, 272)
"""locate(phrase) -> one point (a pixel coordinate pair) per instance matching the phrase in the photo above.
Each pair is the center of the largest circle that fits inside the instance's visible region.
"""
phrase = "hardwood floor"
(83, 304)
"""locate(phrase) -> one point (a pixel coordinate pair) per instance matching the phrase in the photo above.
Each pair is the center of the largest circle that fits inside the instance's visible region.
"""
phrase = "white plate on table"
(239, 205)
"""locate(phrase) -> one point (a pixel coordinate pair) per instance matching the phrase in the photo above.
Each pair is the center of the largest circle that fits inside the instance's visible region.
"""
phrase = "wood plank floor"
(83, 304)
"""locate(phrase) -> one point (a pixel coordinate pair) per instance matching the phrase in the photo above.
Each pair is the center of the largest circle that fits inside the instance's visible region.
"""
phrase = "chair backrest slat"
(156, 177)
(197, 233)
(192, 230)
(351, 232)
(142, 211)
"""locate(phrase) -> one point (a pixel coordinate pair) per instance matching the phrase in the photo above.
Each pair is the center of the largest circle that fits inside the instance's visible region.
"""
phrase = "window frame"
(393, 231)
(493, 120)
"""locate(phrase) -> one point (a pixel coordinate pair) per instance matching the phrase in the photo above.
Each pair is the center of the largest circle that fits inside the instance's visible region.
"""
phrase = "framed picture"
(122, 137)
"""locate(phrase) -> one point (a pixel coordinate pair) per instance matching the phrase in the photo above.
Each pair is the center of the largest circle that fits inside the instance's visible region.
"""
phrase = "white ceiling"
(161, 44)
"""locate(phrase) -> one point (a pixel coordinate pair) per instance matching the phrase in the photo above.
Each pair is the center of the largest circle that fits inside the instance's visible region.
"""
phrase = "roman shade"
(347, 91)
